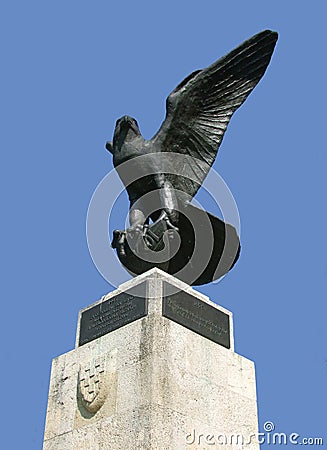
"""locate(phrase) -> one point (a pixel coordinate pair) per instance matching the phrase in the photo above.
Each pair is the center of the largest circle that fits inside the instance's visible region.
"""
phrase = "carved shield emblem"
(92, 386)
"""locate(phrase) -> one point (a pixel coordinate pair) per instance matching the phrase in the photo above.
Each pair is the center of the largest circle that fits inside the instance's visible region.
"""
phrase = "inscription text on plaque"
(111, 314)
(196, 315)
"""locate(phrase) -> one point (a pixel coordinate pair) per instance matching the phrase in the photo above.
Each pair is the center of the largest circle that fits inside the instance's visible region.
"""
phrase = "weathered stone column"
(154, 368)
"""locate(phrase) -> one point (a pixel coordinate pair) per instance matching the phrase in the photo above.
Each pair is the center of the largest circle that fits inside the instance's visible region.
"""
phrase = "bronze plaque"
(196, 315)
(113, 313)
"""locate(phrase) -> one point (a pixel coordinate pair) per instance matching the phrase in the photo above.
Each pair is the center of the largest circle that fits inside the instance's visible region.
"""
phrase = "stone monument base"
(154, 368)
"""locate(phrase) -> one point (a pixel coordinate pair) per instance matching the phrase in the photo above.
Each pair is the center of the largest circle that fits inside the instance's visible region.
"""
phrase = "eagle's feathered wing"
(200, 108)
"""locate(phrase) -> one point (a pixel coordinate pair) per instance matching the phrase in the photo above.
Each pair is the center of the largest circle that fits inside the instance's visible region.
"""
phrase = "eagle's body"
(163, 174)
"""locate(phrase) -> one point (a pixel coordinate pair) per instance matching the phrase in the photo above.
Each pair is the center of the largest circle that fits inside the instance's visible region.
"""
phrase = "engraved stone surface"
(111, 314)
(96, 388)
(198, 316)
(161, 385)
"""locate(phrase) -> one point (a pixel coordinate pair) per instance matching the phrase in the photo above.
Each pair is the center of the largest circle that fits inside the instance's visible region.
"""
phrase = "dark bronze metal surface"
(113, 313)
(163, 174)
(196, 315)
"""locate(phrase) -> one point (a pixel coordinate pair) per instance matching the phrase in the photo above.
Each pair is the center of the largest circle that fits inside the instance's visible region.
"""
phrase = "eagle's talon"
(170, 226)
(118, 241)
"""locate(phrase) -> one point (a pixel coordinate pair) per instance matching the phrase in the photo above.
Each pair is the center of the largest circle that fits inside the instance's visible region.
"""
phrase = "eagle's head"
(126, 129)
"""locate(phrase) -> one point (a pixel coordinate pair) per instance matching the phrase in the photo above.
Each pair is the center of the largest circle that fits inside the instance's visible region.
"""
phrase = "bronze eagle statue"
(163, 174)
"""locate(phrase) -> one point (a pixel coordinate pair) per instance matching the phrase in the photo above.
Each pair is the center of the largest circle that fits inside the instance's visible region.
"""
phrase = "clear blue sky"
(69, 69)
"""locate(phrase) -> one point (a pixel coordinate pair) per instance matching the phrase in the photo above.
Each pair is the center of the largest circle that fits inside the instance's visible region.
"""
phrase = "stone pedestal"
(154, 368)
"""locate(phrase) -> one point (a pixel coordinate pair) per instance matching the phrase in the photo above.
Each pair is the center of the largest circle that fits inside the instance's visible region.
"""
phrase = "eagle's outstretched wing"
(200, 108)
